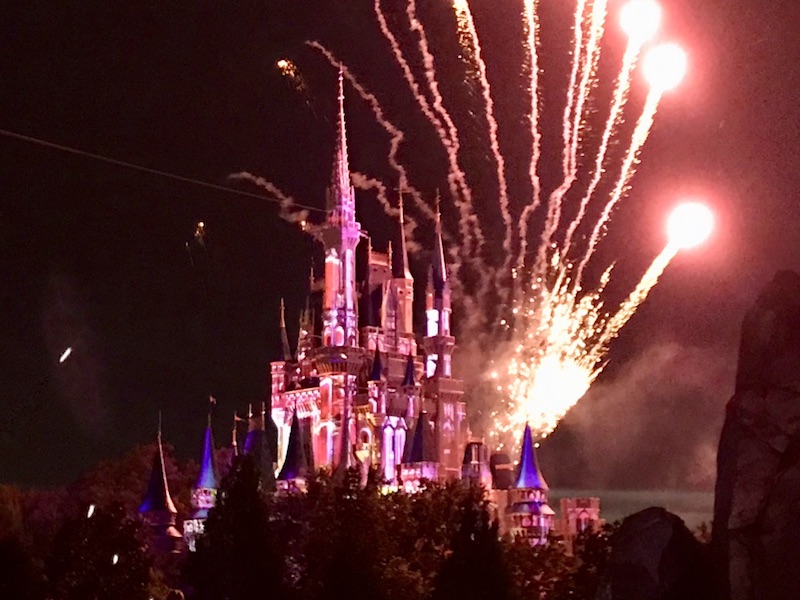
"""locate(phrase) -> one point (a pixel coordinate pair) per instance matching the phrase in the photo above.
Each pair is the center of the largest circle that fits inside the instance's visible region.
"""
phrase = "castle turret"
(530, 516)
(442, 394)
(420, 460)
(295, 467)
(157, 509)
(204, 493)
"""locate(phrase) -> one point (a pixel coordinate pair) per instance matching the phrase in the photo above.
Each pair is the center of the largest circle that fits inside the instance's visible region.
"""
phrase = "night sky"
(93, 255)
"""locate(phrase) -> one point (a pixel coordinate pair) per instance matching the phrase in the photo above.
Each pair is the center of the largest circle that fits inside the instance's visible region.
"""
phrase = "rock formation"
(756, 532)
(655, 557)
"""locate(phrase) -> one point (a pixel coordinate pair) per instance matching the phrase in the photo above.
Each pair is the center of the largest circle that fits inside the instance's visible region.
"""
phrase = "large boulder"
(655, 557)
(756, 532)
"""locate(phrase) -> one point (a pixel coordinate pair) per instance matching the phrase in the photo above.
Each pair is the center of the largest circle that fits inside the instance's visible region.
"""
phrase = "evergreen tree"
(238, 557)
(475, 568)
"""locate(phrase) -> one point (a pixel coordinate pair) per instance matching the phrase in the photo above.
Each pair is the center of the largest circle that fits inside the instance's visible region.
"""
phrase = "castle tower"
(442, 394)
(157, 509)
(529, 515)
(340, 235)
(204, 493)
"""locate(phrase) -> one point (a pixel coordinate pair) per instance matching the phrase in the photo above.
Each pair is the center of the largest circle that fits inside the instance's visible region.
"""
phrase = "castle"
(359, 392)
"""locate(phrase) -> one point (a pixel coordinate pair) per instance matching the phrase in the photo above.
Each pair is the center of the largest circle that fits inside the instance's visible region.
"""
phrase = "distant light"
(115, 559)
(65, 355)
(665, 67)
(283, 63)
(90, 512)
(690, 224)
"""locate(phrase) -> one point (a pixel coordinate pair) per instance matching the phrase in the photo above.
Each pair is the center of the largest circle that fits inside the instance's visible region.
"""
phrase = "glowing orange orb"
(665, 66)
(640, 20)
(689, 225)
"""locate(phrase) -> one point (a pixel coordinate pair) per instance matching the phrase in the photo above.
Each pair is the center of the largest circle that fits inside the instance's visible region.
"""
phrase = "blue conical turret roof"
(377, 367)
(529, 477)
(157, 498)
(296, 465)
(208, 468)
(421, 448)
(409, 377)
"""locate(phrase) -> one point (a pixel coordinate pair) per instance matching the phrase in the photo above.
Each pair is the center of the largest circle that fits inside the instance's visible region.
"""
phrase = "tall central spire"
(342, 199)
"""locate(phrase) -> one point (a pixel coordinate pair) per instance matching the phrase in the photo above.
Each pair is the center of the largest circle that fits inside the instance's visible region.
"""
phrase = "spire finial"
(389, 252)
(159, 428)
(211, 403)
(283, 314)
(285, 349)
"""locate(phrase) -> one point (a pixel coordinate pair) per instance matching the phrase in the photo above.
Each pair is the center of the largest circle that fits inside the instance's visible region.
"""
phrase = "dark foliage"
(99, 557)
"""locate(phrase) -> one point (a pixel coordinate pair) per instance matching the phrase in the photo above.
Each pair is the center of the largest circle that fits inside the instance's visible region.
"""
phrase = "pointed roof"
(207, 479)
(342, 189)
(287, 352)
(377, 366)
(296, 465)
(438, 267)
(157, 498)
(421, 448)
(409, 379)
(529, 477)
(405, 272)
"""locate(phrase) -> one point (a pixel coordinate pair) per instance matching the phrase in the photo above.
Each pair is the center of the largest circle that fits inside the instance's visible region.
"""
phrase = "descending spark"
(640, 293)
(640, 20)
(664, 68)
(65, 355)
(585, 62)
(689, 225)
(396, 136)
(466, 24)
(462, 194)
(531, 25)
(404, 66)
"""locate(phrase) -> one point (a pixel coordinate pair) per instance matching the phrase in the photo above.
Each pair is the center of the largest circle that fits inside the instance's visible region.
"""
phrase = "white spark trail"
(531, 24)
(620, 97)
(459, 189)
(467, 24)
(639, 294)
(639, 137)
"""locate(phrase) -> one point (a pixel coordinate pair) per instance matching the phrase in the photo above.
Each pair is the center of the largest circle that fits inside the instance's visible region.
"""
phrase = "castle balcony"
(339, 360)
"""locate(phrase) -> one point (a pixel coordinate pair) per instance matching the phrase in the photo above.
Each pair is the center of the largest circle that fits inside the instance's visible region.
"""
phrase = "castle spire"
(342, 197)
(530, 477)
(287, 352)
(340, 235)
(406, 273)
(157, 497)
(439, 265)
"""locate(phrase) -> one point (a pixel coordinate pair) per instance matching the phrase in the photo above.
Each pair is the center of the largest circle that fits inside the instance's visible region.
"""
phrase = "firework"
(553, 328)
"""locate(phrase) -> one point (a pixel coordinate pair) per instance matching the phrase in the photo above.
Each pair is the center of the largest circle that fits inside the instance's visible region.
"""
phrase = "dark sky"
(92, 255)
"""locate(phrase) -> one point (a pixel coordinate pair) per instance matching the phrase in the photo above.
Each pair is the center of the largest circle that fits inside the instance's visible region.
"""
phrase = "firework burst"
(553, 328)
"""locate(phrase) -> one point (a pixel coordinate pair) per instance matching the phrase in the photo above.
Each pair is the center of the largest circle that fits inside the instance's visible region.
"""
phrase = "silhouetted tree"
(238, 557)
(99, 557)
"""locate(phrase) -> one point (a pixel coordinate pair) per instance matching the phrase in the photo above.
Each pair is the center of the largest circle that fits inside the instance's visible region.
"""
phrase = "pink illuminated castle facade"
(357, 385)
